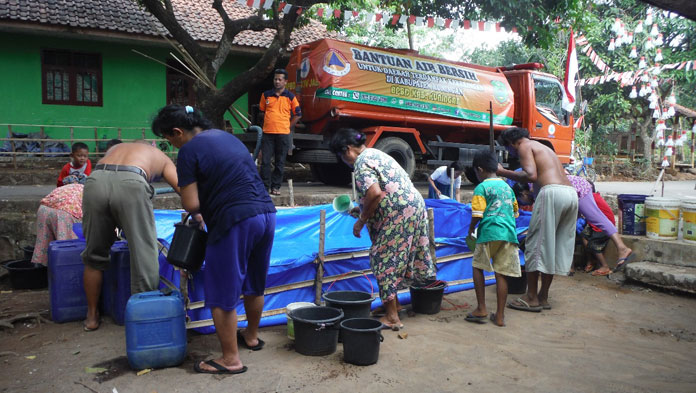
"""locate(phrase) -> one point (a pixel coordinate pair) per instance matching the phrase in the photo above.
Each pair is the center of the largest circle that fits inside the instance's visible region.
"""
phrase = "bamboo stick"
(292, 193)
(319, 279)
(431, 235)
(96, 138)
(451, 183)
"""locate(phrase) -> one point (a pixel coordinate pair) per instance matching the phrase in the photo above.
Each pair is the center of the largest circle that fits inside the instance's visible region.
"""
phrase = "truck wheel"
(336, 174)
(399, 150)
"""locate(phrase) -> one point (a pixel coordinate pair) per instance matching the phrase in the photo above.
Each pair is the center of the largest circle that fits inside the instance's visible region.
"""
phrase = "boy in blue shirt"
(494, 209)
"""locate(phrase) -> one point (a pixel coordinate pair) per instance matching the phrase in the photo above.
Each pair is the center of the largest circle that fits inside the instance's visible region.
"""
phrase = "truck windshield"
(548, 95)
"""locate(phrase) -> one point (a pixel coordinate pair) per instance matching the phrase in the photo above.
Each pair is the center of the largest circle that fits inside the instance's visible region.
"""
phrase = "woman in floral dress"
(396, 219)
(57, 213)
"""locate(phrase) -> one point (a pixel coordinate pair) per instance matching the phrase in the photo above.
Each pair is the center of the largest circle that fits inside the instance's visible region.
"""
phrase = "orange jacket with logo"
(278, 111)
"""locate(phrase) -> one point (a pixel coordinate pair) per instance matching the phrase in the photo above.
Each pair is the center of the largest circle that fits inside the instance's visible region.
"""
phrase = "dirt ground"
(600, 336)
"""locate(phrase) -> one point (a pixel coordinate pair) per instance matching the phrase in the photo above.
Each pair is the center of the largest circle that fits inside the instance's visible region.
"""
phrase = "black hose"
(259, 132)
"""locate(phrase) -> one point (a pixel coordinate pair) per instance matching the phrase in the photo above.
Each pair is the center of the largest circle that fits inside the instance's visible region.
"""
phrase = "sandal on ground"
(241, 341)
(219, 368)
(522, 305)
(275, 192)
(476, 319)
(589, 268)
(601, 273)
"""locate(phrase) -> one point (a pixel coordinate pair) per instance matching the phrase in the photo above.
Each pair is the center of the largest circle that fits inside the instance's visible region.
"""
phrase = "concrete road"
(673, 189)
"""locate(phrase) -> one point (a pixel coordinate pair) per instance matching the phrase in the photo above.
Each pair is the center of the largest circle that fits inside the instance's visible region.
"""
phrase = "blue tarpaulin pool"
(292, 271)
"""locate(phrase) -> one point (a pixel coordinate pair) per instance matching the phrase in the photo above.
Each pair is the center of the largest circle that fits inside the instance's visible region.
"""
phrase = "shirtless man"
(119, 193)
(551, 235)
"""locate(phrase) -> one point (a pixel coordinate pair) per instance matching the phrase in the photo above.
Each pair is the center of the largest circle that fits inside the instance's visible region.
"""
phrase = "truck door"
(550, 121)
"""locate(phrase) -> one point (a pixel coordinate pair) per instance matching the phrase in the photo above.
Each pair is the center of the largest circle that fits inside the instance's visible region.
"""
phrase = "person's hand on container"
(197, 217)
(355, 212)
(358, 226)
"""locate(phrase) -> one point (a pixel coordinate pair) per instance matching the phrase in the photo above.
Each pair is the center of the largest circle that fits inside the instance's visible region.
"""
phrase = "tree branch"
(168, 20)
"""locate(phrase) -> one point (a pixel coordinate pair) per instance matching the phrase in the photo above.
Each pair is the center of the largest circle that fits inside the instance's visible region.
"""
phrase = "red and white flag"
(578, 122)
(570, 75)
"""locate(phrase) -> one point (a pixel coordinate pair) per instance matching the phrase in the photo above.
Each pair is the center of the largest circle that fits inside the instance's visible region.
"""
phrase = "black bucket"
(187, 250)
(426, 296)
(27, 275)
(355, 304)
(361, 338)
(316, 330)
(28, 252)
(517, 285)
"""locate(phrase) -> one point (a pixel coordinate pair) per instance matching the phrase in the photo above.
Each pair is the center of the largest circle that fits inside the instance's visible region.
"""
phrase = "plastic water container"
(632, 214)
(65, 283)
(155, 329)
(662, 218)
(116, 284)
(688, 210)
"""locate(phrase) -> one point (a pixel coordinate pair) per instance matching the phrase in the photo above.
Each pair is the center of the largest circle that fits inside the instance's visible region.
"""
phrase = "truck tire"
(336, 174)
(399, 150)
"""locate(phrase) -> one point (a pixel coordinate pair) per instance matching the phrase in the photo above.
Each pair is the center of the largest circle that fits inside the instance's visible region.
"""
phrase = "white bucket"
(288, 309)
(688, 209)
(662, 219)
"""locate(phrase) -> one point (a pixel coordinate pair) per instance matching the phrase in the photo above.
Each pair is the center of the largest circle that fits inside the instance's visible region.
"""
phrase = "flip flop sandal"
(476, 319)
(242, 342)
(621, 262)
(600, 273)
(589, 268)
(219, 369)
(524, 306)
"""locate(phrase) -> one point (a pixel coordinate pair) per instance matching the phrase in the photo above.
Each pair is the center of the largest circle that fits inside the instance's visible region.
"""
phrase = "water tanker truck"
(417, 108)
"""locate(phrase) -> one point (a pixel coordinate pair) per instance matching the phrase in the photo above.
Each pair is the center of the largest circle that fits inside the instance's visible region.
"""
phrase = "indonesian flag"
(578, 122)
(570, 75)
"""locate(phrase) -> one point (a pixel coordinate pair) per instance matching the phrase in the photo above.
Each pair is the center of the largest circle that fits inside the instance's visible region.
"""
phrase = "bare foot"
(497, 319)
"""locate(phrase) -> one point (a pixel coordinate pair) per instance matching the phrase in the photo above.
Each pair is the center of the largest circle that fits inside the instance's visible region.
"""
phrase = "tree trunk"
(410, 36)
(643, 127)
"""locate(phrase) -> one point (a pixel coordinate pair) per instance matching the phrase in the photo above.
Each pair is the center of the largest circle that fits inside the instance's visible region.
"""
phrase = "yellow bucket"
(688, 209)
(662, 219)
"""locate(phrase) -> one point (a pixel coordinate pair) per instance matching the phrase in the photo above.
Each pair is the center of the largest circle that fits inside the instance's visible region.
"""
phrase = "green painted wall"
(133, 86)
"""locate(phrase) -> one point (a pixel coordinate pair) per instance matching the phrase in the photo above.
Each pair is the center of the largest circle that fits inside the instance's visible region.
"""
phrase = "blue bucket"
(632, 214)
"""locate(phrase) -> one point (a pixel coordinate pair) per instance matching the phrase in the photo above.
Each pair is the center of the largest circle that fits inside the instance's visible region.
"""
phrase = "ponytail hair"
(345, 137)
(177, 116)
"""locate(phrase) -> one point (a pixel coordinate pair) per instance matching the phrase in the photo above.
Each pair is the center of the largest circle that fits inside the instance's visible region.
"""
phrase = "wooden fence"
(86, 134)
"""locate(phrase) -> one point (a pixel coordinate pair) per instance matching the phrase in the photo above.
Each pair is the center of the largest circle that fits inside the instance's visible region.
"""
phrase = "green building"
(90, 69)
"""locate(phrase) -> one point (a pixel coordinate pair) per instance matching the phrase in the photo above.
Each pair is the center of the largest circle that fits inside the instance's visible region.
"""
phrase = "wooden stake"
(355, 192)
(319, 278)
(43, 136)
(292, 193)
(12, 143)
(451, 184)
(431, 235)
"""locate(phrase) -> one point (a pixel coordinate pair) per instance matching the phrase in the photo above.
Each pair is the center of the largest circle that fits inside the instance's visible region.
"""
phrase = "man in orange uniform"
(281, 113)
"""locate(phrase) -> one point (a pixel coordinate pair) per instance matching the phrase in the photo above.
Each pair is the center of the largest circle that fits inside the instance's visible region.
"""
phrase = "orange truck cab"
(417, 108)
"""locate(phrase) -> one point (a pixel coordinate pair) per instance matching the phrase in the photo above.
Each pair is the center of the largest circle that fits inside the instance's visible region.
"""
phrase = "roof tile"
(197, 17)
